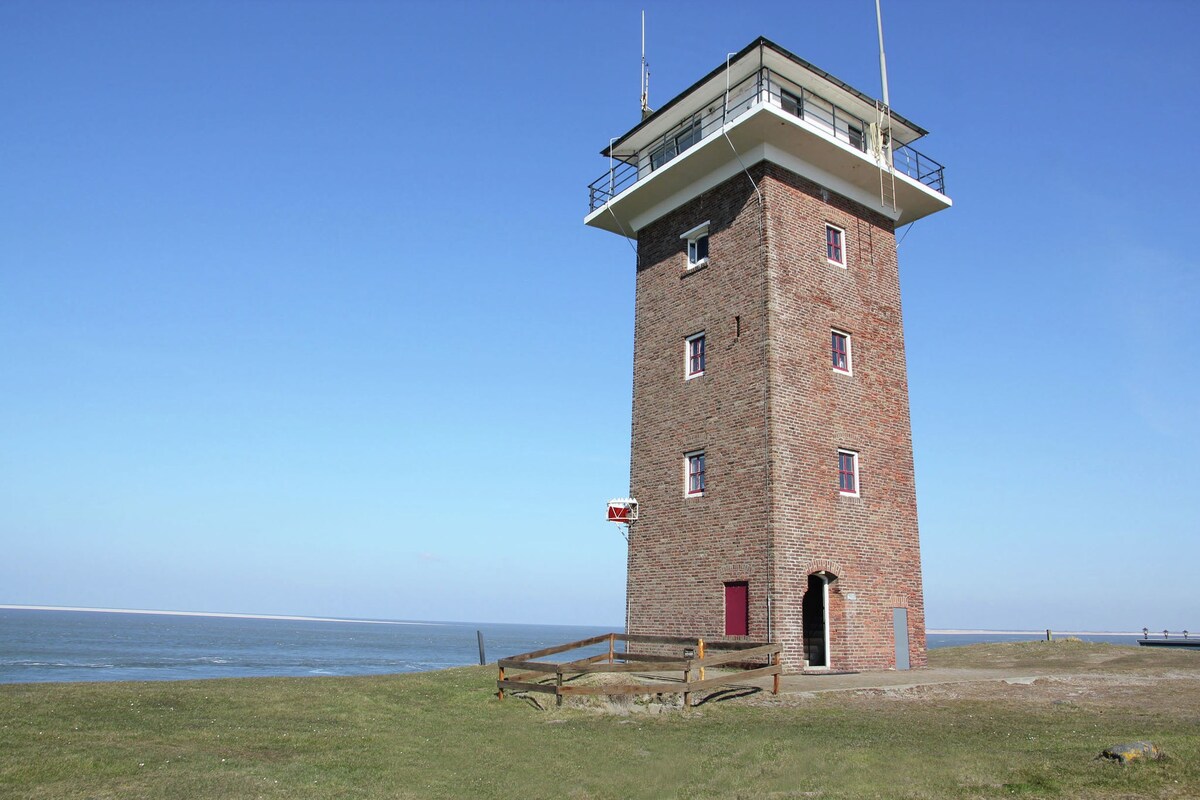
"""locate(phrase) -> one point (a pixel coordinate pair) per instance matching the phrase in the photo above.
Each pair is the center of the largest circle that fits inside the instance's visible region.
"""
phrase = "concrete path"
(897, 679)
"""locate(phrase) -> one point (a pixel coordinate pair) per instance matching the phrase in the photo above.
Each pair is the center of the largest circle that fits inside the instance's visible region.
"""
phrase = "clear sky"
(298, 314)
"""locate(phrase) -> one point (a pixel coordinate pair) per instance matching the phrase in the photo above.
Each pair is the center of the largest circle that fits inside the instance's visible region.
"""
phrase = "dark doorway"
(815, 621)
(737, 609)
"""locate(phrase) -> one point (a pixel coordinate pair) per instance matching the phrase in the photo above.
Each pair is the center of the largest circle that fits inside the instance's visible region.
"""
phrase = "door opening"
(815, 621)
(900, 629)
(737, 609)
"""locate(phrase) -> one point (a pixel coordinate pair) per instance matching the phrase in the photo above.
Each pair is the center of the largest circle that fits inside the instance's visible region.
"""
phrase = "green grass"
(445, 735)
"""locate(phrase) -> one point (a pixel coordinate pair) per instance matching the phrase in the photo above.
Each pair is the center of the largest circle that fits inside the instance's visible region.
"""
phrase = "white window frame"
(857, 473)
(849, 370)
(687, 356)
(842, 232)
(687, 474)
(693, 236)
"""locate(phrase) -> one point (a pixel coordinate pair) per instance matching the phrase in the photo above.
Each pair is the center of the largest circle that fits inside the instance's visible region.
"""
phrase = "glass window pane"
(833, 239)
(856, 138)
(819, 112)
(791, 103)
(696, 473)
(658, 157)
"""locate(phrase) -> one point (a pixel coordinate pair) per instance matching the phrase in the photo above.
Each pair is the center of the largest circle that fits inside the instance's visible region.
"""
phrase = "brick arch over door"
(831, 568)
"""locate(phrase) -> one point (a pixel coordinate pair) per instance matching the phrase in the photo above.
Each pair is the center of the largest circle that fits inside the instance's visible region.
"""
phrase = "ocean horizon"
(41, 644)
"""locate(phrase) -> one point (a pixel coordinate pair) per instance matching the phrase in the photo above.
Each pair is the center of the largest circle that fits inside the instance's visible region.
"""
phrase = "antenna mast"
(883, 129)
(646, 111)
(882, 57)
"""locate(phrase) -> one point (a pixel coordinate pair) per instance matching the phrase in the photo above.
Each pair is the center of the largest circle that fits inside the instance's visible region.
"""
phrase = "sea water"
(43, 645)
(52, 645)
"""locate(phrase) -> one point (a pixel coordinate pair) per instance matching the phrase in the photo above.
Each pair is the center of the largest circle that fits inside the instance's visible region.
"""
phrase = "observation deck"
(766, 103)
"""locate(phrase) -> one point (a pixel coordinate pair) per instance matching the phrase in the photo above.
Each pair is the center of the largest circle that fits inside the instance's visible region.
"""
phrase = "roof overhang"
(764, 133)
(762, 52)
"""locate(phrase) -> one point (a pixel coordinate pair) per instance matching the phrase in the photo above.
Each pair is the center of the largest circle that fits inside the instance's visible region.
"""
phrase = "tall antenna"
(883, 129)
(646, 110)
(882, 57)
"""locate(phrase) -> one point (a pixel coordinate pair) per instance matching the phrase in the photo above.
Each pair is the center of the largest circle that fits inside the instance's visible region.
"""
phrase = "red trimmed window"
(695, 476)
(834, 241)
(841, 351)
(847, 472)
(695, 355)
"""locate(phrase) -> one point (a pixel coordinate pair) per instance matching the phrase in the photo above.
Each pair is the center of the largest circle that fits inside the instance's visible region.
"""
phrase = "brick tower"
(772, 449)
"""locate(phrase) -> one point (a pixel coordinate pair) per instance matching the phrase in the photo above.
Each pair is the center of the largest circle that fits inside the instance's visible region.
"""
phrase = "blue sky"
(298, 314)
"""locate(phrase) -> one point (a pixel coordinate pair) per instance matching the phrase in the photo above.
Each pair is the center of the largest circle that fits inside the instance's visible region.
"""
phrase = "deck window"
(675, 144)
(792, 103)
(856, 137)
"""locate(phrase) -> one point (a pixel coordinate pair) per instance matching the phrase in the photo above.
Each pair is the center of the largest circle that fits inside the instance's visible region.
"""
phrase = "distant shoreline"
(221, 614)
(1042, 632)
(300, 618)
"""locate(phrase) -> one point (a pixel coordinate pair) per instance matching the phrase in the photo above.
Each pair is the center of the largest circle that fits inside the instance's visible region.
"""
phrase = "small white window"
(840, 351)
(835, 245)
(693, 474)
(694, 356)
(697, 246)
(848, 473)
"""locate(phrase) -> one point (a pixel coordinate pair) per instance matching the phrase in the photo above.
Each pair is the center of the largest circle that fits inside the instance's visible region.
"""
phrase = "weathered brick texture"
(770, 414)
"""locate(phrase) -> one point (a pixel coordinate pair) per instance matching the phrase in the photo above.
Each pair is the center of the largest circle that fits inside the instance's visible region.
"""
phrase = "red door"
(737, 609)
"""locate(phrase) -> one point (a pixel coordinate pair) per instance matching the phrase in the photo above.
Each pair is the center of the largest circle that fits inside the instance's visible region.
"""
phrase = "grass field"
(445, 735)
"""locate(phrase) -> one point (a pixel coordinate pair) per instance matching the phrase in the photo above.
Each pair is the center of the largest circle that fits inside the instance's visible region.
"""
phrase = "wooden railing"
(738, 661)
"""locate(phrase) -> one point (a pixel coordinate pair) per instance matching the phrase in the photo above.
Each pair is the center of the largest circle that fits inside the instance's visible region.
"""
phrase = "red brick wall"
(770, 415)
(683, 549)
(869, 542)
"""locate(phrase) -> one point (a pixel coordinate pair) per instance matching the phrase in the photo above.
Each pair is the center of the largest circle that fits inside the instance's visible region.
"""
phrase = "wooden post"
(612, 641)
(500, 691)
(558, 691)
(700, 653)
(777, 660)
(687, 695)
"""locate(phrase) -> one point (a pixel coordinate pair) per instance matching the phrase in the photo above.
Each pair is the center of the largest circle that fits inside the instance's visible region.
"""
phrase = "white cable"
(725, 131)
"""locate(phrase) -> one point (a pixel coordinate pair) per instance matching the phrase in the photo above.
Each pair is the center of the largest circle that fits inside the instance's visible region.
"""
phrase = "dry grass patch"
(1066, 654)
(444, 735)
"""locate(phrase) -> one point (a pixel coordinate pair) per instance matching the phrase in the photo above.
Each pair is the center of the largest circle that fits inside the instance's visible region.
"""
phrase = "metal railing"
(625, 171)
(1165, 634)
(920, 167)
(831, 119)
(762, 86)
